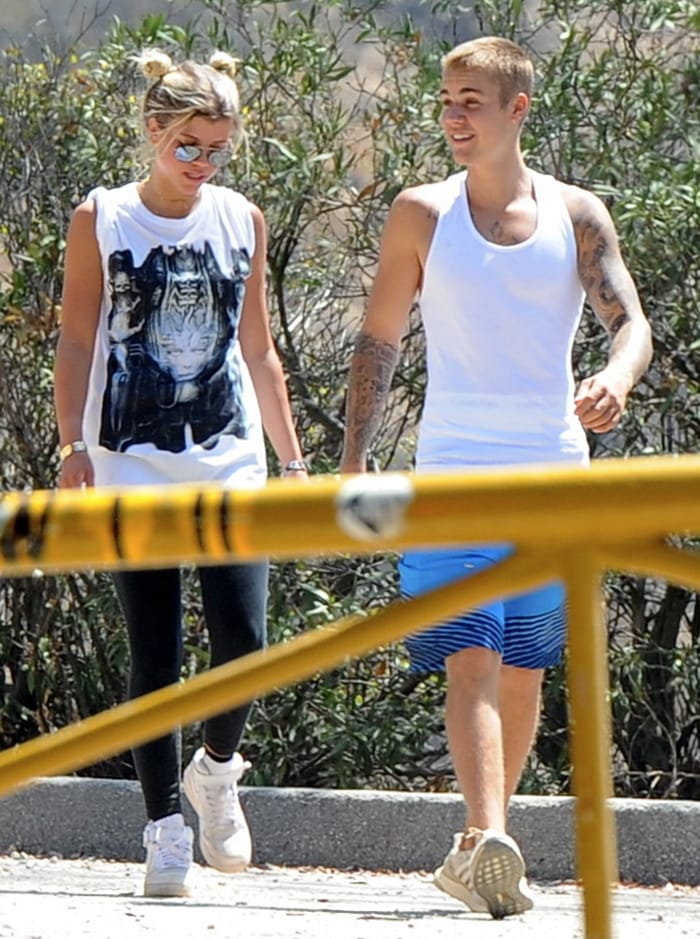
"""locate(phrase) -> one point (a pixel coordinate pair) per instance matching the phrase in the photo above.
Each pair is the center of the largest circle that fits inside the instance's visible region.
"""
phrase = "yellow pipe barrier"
(257, 674)
(613, 502)
(654, 560)
(590, 738)
(616, 513)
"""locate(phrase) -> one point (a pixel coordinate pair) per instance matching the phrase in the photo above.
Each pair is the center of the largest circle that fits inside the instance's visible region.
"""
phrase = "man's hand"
(600, 400)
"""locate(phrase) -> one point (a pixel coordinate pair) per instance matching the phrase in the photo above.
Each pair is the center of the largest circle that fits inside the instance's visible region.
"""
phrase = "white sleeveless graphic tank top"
(500, 322)
(170, 398)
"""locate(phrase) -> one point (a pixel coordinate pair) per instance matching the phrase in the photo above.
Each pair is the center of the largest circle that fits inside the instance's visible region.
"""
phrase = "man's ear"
(520, 106)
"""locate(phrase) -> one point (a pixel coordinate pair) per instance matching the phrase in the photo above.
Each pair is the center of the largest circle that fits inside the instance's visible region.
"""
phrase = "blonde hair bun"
(223, 62)
(154, 63)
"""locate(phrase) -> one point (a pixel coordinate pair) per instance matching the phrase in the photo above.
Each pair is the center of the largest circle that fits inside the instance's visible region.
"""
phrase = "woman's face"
(184, 152)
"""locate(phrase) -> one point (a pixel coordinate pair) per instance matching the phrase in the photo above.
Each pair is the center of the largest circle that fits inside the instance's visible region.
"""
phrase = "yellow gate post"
(596, 848)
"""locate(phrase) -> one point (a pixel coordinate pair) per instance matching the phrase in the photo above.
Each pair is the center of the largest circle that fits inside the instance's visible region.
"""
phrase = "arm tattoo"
(616, 325)
(611, 293)
(371, 371)
(603, 275)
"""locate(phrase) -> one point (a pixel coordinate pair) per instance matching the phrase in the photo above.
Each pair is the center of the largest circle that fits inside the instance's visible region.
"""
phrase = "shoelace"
(222, 804)
(222, 800)
(172, 852)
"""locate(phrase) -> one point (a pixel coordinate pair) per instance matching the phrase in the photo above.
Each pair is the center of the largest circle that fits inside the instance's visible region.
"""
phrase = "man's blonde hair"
(500, 59)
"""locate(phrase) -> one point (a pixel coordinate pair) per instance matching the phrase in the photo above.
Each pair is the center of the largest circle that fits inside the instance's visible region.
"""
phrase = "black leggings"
(234, 599)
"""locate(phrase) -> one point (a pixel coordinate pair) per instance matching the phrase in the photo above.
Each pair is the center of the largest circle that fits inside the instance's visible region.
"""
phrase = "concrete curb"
(658, 842)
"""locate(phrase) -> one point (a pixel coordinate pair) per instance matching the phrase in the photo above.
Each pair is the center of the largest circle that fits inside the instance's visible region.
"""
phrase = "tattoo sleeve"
(604, 276)
(371, 370)
(611, 293)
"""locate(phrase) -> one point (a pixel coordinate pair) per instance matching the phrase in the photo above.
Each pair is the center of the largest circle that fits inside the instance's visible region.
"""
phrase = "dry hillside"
(68, 19)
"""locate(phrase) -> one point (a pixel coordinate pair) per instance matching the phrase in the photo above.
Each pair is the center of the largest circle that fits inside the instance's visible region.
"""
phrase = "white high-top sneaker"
(168, 844)
(212, 788)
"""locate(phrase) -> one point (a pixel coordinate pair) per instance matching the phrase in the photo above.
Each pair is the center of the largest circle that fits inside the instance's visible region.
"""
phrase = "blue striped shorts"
(528, 631)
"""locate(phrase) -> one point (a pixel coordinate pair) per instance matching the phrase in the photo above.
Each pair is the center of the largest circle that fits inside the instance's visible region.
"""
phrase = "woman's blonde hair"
(180, 91)
(499, 58)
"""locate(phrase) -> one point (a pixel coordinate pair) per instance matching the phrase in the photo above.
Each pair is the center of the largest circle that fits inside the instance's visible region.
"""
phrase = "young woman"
(166, 372)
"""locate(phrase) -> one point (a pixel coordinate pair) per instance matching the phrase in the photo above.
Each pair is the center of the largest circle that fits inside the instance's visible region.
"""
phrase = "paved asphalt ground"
(328, 865)
(91, 899)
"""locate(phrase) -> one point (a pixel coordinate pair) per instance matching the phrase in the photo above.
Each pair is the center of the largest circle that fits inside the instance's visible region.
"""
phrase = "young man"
(501, 259)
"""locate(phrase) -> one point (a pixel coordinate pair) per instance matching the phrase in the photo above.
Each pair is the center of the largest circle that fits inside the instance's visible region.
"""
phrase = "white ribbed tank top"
(500, 322)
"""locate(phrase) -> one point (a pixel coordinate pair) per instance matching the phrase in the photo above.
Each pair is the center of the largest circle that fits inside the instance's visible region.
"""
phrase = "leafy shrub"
(340, 103)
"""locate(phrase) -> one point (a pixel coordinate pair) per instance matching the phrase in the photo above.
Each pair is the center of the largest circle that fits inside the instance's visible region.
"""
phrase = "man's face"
(478, 126)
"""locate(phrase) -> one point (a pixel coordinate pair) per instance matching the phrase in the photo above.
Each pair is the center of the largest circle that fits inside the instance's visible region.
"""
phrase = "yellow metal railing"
(568, 524)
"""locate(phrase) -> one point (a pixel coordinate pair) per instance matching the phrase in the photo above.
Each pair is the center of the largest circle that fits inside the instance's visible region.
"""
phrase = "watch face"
(78, 446)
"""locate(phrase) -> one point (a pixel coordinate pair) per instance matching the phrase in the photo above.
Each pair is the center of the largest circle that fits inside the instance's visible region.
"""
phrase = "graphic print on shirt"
(172, 378)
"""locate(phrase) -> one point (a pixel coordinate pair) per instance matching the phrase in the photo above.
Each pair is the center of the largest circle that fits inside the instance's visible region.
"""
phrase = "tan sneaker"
(497, 873)
(489, 877)
(453, 876)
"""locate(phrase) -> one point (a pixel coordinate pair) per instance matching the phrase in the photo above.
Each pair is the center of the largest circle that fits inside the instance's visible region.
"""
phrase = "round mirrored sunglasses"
(217, 156)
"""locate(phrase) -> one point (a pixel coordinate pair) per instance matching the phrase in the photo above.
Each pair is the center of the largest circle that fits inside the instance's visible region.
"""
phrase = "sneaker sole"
(497, 875)
(166, 890)
(456, 889)
(229, 868)
(232, 866)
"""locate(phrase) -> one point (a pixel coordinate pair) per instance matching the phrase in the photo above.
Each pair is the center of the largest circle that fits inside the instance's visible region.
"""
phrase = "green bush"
(340, 102)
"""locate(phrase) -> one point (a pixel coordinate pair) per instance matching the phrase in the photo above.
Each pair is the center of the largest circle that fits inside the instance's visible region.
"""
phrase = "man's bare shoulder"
(420, 201)
(584, 206)
(412, 220)
(414, 215)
